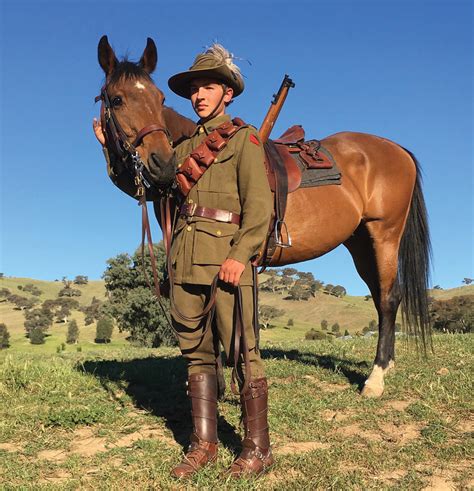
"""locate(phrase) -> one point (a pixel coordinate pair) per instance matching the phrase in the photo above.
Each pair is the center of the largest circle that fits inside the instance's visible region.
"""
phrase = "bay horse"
(378, 212)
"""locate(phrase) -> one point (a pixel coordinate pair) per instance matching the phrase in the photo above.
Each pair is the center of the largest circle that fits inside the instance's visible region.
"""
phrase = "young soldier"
(223, 223)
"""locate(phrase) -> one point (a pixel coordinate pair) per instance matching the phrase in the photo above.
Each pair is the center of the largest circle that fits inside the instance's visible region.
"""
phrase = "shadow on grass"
(159, 386)
(354, 371)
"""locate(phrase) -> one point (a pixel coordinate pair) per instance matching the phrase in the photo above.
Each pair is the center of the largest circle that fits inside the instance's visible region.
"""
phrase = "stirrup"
(279, 224)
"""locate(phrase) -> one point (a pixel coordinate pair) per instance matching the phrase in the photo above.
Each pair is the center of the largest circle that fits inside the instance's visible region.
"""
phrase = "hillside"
(14, 319)
(351, 312)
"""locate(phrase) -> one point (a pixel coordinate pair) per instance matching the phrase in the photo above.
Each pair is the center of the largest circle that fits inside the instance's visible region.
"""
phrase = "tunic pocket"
(212, 242)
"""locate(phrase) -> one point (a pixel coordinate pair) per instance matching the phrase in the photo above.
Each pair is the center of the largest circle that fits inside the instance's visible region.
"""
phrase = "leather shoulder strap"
(205, 154)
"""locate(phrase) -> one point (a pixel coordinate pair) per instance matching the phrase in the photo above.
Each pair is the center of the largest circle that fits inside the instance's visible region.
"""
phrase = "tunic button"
(189, 228)
(218, 232)
(190, 201)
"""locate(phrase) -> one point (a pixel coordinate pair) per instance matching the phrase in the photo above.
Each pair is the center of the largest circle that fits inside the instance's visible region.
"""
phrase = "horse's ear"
(107, 58)
(150, 56)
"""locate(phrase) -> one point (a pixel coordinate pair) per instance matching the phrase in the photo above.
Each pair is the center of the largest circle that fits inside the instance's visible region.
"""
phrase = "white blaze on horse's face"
(139, 86)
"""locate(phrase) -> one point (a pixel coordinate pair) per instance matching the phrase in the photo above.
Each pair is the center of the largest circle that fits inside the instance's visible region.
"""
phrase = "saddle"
(285, 160)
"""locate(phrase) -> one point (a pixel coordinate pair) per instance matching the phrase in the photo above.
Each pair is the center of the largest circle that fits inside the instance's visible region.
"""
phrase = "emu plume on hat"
(215, 63)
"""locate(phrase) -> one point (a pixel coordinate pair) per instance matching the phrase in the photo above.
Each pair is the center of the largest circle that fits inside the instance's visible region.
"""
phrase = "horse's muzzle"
(163, 172)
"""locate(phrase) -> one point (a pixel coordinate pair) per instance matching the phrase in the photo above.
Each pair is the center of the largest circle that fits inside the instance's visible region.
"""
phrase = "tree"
(368, 297)
(298, 292)
(36, 336)
(4, 336)
(324, 325)
(63, 314)
(72, 332)
(22, 303)
(4, 293)
(335, 328)
(437, 287)
(68, 291)
(266, 313)
(290, 322)
(92, 312)
(33, 289)
(81, 280)
(306, 277)
(339, 291)
(346, 333)
(467, 281)
(38, 319)
(289, 271)
(131, 302)
(315, 286)
(453, 315)
(105, 326)
(328, 289)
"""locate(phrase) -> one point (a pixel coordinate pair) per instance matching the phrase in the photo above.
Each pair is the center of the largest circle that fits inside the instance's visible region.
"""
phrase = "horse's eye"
(117, 101)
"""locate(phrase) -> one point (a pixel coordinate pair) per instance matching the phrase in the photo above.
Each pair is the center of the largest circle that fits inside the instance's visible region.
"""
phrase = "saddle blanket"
(319, 177)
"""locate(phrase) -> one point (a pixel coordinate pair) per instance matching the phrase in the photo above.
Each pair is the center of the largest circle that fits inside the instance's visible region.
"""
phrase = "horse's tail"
(414, 265)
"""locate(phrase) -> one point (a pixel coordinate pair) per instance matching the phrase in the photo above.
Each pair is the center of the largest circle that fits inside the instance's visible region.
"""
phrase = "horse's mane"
(128, 70)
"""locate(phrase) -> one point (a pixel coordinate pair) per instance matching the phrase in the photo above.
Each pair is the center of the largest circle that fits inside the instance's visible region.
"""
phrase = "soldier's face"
(208, 96)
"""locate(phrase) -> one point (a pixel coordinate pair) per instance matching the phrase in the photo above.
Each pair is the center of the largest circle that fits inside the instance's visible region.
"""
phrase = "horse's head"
(137, 105)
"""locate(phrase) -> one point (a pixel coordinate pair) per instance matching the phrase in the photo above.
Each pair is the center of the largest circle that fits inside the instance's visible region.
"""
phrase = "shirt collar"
(211, 125)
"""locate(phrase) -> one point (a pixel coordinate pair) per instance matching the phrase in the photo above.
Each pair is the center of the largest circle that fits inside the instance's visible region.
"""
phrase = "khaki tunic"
(236, 182)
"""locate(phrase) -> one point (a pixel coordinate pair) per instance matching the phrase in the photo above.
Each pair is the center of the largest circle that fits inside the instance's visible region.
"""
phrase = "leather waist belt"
(192, 210)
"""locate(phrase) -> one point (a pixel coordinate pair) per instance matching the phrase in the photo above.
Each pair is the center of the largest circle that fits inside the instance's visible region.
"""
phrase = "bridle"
(122, 147)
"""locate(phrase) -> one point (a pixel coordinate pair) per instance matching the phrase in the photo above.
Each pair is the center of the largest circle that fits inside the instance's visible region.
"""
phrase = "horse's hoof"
(372, 392)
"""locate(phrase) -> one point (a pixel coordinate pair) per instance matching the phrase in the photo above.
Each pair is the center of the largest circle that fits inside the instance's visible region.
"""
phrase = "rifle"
(274, 111)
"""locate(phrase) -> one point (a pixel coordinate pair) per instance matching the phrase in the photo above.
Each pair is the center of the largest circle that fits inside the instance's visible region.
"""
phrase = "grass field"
(116, 417)
(119, 419)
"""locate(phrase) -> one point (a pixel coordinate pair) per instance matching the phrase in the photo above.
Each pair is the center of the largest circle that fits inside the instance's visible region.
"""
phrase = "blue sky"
(399, 69)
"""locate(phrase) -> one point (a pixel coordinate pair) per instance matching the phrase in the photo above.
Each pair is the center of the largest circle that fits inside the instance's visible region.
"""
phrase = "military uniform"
(235, 182)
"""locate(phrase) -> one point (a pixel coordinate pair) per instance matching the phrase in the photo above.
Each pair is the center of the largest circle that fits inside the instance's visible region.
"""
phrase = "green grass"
(119, 419)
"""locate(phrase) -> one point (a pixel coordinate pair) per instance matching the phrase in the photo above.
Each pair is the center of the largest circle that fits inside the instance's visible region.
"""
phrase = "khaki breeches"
(201, 353)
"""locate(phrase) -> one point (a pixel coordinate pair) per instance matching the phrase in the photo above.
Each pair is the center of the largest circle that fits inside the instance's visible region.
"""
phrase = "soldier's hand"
(231, 271)
(98, 131)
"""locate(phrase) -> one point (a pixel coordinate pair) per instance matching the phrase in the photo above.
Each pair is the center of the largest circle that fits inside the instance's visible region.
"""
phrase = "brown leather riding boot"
(256, 455)
(202, 390)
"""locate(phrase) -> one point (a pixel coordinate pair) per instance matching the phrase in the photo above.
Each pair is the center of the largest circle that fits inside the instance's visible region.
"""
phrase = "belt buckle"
(190, 211)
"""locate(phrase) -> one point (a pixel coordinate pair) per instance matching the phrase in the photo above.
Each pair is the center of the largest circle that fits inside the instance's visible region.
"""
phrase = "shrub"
(324, 325)
(105, 326)
(290, 322)
(72, 332)
(4, 336)
(36, 336)
(312, 334)
(335, 327)
(34, 290)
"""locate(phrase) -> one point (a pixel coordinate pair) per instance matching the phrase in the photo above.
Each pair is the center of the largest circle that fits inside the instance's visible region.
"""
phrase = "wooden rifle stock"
(275, 108)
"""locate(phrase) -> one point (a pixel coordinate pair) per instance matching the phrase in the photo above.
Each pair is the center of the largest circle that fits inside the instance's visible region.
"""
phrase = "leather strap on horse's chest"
(199, 160)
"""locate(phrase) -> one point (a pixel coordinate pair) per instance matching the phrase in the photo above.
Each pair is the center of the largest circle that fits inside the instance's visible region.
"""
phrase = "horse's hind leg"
(374, 249)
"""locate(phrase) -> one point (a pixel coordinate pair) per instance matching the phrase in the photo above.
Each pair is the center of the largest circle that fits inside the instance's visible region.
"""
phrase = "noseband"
(125, 150)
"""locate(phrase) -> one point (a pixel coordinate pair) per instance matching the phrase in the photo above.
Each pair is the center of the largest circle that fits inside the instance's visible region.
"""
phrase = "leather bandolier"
(205, 154)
